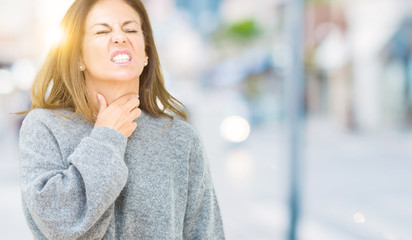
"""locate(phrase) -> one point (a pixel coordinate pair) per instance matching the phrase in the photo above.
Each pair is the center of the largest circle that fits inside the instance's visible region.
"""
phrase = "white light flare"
(359, 217)
(55, 36)
(7, 85)
(235, 129)
(23, 72)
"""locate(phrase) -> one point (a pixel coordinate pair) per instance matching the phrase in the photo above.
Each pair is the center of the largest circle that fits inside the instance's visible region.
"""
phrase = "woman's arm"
(71, 199)
(202, 219)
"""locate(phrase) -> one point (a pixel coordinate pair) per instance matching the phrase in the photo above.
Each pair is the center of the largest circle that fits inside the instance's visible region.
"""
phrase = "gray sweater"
(81, 182)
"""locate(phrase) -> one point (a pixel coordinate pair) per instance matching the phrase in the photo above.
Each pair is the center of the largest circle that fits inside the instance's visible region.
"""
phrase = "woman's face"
(113, 44)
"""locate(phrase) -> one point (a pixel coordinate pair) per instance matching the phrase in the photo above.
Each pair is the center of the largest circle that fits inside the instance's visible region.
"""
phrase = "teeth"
(119, 58)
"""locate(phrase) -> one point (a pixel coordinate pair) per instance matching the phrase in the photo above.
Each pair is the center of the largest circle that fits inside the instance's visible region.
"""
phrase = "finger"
(129, 129)
(125, 98)
(133, 127)
(135, 113)
(131, 104)
(102, 102)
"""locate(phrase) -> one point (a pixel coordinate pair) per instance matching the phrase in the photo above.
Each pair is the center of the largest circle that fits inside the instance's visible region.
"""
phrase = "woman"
(97, 163)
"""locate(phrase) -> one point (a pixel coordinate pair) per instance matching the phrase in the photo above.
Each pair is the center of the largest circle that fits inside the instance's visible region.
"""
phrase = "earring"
(82, 68)
(145, 63)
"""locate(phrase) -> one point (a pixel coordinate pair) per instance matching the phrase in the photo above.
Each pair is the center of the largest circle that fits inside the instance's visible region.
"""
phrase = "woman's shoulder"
(44, 114)
(175, 127)
(38, 115)
(47, 117)
(186, 127)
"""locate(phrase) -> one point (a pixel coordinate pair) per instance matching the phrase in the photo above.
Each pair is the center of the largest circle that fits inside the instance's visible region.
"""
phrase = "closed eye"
(102, 32)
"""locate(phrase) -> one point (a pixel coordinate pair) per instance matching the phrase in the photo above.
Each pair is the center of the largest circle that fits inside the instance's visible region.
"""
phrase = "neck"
(111, 90)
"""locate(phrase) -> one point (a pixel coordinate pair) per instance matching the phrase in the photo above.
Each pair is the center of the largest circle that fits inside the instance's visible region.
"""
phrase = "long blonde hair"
(60, 71)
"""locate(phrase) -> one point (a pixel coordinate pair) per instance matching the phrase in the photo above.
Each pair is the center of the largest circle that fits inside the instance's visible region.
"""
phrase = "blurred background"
(347, 156)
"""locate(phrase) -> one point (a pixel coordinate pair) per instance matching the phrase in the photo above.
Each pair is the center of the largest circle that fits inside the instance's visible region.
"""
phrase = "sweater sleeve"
(70, 198)
(202, 218)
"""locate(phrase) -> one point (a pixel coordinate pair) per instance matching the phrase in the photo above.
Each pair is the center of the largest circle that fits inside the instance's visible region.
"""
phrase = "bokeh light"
(235, 129)
(359, 217)
(23, 72)
(7, 85)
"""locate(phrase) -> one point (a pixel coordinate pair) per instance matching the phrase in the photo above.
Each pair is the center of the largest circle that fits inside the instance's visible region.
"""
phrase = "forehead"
(111, 11)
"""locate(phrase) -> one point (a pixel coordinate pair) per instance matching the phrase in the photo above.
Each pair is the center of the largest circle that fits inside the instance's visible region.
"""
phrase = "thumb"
(102, 102)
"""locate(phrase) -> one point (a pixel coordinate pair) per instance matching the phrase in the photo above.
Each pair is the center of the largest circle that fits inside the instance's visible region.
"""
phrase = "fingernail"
(99, 97)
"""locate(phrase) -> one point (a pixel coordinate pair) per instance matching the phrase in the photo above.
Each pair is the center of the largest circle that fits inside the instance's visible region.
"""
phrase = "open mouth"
(121, 57)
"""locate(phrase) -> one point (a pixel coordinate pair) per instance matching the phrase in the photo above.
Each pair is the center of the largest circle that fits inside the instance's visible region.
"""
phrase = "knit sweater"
(81, 182)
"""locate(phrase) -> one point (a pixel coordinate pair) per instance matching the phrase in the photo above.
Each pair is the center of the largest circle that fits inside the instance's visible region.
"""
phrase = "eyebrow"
(107, 25)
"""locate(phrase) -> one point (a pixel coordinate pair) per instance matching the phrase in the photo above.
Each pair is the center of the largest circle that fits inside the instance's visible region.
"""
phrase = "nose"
(119, 37)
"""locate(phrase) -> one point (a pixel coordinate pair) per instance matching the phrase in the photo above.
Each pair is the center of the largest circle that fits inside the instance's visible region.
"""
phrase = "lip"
(122, 51)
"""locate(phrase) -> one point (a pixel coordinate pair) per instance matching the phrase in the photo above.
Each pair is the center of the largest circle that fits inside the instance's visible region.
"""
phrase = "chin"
(125, 76)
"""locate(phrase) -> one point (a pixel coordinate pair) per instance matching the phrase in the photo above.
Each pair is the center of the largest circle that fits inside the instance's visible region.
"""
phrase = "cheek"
(93, 52)
(139, 45)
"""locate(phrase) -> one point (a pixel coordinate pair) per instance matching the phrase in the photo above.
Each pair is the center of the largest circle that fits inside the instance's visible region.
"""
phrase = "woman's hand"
(120, 114)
